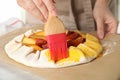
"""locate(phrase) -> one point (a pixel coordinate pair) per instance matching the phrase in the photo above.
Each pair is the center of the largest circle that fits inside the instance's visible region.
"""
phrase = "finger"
(20, 2)
(106, 29)
(112, 24)
(41, 6)
(53, 1)
(100, 28)
(51, 7)
(113, 27)
(31, 8)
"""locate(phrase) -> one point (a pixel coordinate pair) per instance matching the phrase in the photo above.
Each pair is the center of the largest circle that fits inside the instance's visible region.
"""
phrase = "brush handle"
(54, 25)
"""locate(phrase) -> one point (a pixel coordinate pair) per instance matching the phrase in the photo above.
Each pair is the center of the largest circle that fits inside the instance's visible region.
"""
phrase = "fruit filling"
(38, 40)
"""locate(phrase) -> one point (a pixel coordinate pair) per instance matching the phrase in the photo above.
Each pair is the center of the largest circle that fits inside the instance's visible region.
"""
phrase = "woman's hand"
(106, 22)
(39, 8)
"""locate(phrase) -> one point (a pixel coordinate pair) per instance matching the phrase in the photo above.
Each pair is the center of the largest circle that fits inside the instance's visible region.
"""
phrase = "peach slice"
(75, 55)
(27, 41)
(94, 45)
(47, 54)
(35, 47)
(91, 37)
(89, 52)
(38, 35)
(37, 44)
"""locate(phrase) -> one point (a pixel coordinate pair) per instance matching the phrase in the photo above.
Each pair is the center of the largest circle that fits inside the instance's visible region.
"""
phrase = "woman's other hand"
(106, 22)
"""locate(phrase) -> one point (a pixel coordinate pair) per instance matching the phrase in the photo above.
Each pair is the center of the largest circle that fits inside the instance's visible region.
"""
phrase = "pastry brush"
(56, 38)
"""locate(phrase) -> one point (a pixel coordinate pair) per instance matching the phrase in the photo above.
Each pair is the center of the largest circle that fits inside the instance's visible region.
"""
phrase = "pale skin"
(106, 22)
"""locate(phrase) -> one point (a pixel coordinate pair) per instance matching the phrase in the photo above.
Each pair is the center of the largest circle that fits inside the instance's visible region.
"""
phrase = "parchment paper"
(103, 68)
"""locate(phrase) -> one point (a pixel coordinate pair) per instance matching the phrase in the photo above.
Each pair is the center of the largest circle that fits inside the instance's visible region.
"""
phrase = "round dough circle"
(84, 52)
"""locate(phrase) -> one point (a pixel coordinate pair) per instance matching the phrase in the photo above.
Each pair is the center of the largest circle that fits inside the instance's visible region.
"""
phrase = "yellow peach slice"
(38, 35)
(47, 54)
(87, 50)
(27, 40)
(35, 47)
(75, 55)
(91, 37)
(94, 45)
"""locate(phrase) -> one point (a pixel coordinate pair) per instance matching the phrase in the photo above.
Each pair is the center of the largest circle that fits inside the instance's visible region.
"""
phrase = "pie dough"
(27, 55)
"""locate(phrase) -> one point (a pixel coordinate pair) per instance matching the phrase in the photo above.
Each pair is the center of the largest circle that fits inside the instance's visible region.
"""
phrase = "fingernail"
(53, 1)
(54, 13)
(46, 16)
(101, 36)
(44, 21)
